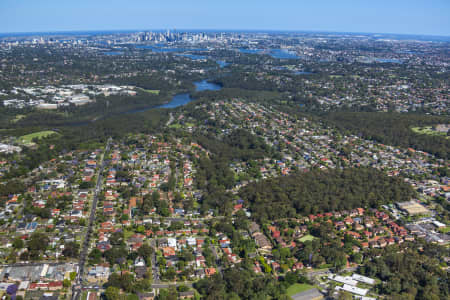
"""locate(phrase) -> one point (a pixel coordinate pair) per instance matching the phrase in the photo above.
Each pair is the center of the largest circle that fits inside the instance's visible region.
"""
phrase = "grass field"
(178, 125)
(27, 139)
(306, 238)
(428, 130)
(445, 229)
(298, 288)
(156, 92)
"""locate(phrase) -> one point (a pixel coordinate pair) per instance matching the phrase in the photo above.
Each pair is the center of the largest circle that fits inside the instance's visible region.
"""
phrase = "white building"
(48, 106)
(363, 279)
(171, 242)
(44, 270)
(343, 279)
(191, 241)
(353, 289)
(4, 148)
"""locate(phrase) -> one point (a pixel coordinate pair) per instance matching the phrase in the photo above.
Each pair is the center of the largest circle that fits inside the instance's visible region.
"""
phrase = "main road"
(85, 247)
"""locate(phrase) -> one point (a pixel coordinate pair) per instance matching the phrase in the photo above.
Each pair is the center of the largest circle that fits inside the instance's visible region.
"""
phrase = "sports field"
(298, 288)
(156, 92)
(28, 139)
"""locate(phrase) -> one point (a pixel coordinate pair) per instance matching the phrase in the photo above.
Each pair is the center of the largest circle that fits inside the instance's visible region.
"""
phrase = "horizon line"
(218, 30)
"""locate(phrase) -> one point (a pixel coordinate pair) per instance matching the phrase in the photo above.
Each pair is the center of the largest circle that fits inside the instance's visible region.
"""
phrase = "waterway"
(389, 60)
(185, 98)
(275, 53)
(283, 54)
(177, 100)
(159, 49)
(113, 53)
(204, 85)
(186, 52)
(302, 73)
(222, 63)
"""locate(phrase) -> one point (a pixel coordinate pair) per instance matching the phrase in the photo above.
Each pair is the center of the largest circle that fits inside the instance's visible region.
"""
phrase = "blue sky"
(380, 16)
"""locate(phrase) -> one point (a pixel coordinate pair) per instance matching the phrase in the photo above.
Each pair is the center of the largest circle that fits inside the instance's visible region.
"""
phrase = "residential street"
(86, 243)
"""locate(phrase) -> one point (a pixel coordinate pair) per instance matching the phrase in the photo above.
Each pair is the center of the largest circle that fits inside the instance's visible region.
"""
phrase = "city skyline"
(402, 17)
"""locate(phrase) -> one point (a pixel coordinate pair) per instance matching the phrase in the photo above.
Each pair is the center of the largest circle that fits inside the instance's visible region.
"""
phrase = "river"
(185, 98)
(275, 53)
(177, 100)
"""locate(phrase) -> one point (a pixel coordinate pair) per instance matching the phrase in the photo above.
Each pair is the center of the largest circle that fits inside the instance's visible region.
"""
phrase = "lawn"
(27, 139)
(176, 126)
(306, 238)
(428, 130)
(444, 229)
(156, 92)
(298, 288)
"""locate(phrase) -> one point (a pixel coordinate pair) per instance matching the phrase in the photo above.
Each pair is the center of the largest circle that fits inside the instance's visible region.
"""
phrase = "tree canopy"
(394, 129)
(322, 191)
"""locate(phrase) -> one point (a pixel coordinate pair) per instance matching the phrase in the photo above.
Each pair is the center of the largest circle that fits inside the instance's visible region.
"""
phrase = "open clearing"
(156, 92)
(177, 125)
(298, 288)
(28, 139)
(444, 229)
(428, 130)
(306, 238)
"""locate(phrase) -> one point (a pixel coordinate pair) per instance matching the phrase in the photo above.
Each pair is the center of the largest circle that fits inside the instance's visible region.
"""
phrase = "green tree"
(146, 251)
(132, 297)
(66, 283)
(71, 249)
(82, 222)
(73, 275)
(18, 243)
(95, 256)
(112, 293)
(38, 242)
(343, 295)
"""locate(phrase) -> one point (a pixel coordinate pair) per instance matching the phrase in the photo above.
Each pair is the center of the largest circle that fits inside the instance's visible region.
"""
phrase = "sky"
(424, 17)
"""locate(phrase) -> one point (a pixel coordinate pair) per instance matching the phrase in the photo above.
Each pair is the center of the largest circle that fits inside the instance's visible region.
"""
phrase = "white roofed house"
(171, 242)
(139, 262)
(24, 285)
(99, 272)
(191, 241)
